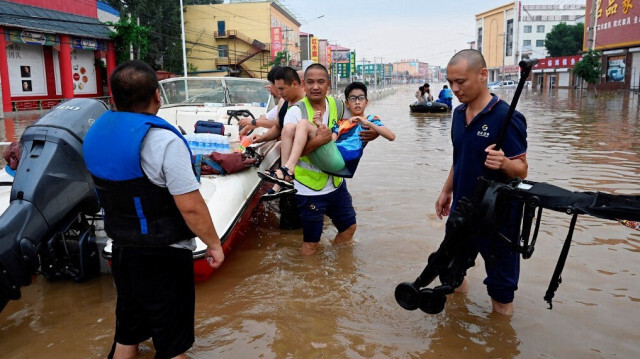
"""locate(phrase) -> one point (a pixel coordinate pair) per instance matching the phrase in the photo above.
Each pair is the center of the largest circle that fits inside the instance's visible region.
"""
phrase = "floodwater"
(267, 301)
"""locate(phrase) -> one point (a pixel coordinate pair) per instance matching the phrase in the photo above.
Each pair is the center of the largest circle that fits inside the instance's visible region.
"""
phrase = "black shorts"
(156, 298)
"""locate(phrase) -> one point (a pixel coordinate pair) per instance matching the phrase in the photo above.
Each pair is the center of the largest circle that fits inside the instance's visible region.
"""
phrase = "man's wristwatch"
(253, 122)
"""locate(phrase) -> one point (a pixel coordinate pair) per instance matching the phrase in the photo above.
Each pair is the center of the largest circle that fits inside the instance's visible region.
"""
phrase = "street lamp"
(309, 37)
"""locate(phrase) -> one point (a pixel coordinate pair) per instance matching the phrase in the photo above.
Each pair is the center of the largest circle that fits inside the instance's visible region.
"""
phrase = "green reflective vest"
(306, 173)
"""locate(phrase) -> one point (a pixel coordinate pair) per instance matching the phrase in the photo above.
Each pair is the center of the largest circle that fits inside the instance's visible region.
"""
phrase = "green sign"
(343, 70)
(352, 62)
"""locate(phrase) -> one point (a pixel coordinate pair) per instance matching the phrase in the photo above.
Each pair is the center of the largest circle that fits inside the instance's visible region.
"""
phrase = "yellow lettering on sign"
(612, 8)
(626, 6)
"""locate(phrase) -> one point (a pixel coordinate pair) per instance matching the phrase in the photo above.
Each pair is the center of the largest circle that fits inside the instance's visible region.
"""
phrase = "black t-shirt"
(282, 113)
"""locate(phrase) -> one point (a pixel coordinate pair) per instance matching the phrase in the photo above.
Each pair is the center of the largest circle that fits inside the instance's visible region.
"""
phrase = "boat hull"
(430, 106)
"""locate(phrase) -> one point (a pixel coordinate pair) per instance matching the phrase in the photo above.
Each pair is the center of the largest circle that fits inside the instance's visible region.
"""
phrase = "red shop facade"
(51, 52)
(617, 38)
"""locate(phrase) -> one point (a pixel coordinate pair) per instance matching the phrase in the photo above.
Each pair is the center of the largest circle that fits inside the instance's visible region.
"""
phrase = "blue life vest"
(136, 211)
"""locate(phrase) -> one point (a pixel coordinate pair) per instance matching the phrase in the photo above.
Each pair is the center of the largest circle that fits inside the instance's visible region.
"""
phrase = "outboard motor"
(45, 226)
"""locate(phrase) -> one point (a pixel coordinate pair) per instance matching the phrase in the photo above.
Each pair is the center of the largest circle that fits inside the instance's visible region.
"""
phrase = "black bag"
(210, 126)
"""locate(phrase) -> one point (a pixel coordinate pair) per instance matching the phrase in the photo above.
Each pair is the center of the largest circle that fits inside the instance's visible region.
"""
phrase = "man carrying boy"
(340, 156)
(318, 192)
(475, 129)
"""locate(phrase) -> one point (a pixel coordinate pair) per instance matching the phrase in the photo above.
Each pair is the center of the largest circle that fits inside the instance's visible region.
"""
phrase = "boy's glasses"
(356, 98)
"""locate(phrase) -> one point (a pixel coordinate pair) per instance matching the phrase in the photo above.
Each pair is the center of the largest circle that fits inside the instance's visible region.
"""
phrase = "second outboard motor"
(52, 190)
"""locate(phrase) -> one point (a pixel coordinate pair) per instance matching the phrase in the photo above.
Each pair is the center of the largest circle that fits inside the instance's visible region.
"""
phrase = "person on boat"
(342, 154)
(427, 94)
(475, 128)
(445, 96)
(319, 193)
(269, 119)
(420, 94)
(141, 166)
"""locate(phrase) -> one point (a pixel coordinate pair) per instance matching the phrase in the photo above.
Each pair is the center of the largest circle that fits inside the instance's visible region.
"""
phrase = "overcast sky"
(430, 31)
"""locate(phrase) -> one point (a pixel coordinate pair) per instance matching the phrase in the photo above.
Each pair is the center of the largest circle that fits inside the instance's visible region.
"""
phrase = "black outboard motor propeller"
(51, 190)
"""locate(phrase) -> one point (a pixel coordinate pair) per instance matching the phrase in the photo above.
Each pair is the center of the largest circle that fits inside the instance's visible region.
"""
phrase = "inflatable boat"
(428, 106)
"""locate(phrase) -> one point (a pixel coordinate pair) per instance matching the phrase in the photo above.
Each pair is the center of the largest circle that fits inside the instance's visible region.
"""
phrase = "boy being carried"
(339, 157)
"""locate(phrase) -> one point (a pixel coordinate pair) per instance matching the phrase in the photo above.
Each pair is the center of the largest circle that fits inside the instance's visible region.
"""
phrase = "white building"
(536, 21)
(509, 33)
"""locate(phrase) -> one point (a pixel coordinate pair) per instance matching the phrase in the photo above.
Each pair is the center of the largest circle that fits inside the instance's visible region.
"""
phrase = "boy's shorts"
(156, 298)
(337, 205)
(327, 158)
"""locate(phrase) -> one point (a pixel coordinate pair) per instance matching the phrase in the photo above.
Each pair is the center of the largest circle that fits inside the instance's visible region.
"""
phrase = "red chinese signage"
(558, 62)
(617, 24)
(314, 49)
(276, 41)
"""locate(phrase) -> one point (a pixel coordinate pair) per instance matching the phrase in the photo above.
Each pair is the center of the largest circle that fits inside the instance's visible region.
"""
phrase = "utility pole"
(286, 46)
(375, 73)
(593, 24)
(184, 49)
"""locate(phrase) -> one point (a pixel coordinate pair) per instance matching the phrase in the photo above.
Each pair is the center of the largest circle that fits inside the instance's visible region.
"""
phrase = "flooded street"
(268, 301)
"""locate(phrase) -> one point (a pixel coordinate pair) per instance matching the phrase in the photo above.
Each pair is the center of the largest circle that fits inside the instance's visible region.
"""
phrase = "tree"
(281, 59)
(564, 40)
(590, 68)
(130, 35)
(162, 18)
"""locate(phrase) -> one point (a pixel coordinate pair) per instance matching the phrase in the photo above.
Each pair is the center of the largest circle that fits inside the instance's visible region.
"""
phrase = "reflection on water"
(267, 301)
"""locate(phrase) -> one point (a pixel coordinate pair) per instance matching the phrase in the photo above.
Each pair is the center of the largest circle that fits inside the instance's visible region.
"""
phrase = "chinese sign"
(617, 23)
(314, 49)
(558, 62)
(26, 70)
(87, 44)
(329, 56)
(352, 62)
(322, 52)
(30, 37)
(276, 41)
(343, 70)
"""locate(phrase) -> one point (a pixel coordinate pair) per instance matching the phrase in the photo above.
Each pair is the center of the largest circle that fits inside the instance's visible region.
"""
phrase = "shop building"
(617, 37)
(516, 31)
(51, 51)
(240, 38)
(555, 73)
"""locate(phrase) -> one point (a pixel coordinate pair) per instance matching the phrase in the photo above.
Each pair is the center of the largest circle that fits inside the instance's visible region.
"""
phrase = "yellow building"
(496, 30)
(240, 38)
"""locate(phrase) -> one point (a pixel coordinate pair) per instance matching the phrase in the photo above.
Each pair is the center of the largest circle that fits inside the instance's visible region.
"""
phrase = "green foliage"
(281, 59)
(162, 17)
(191, 67)
(129, 34)
(565, 40)
(590, 68)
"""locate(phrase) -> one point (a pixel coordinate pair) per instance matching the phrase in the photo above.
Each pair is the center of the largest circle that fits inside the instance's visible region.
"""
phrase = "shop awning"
(50, 21)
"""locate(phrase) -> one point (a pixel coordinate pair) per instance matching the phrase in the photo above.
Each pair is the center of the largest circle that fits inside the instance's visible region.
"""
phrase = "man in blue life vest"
(475, 128)
(320, 194)
(141, 166)
(445, 96)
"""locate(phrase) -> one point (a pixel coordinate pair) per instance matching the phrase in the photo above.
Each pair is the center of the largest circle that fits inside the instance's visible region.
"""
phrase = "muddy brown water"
(269, 302)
